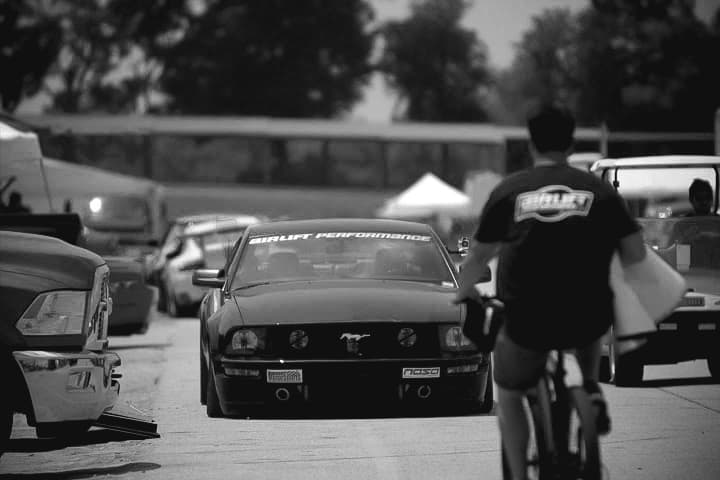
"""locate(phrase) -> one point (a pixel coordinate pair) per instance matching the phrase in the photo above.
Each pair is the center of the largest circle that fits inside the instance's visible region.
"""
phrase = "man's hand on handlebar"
(464, 295)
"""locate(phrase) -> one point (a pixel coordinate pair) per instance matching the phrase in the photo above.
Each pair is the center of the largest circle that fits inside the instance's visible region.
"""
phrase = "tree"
(29, 45)
(303, 58)
(633, 65)
(544, 66)
(437, 67)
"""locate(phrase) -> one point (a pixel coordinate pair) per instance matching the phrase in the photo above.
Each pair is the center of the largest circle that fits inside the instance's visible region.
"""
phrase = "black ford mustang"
(315, 309)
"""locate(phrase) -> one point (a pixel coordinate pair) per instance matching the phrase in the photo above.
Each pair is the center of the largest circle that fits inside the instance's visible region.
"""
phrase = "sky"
(498, 23)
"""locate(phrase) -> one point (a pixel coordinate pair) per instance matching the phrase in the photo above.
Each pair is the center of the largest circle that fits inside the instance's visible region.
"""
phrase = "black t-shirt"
(559, 227)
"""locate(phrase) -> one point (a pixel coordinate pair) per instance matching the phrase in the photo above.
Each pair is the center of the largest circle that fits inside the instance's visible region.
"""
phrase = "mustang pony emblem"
(352, 341)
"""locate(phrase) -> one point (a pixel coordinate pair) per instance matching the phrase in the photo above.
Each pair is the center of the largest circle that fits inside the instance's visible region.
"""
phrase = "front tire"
(203, 378)
(212, 406)
(488, 401)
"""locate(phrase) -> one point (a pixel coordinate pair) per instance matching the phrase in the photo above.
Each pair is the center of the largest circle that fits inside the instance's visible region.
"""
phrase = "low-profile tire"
(6, 423)
(714, 366)
(488, 401)
(628, 369)
(212, 405)
(203, 378)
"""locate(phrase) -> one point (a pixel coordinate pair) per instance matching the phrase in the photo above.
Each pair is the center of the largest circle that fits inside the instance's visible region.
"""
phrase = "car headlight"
(453, 339)
(298, 339)
(247, 341)
(407, 337)
(55, 313)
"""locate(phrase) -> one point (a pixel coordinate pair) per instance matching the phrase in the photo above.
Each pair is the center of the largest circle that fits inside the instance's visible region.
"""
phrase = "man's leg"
(516, 369)
(514, 430)
(589, 360)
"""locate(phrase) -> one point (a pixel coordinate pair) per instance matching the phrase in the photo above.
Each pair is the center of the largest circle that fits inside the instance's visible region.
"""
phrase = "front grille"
(374, 340)
(692, 301)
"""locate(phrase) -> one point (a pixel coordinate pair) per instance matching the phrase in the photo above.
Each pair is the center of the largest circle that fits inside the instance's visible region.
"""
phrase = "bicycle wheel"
(580, 457)
(539, 455)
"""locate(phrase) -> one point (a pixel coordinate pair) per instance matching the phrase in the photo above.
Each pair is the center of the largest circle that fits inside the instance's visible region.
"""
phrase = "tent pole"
(47, 185)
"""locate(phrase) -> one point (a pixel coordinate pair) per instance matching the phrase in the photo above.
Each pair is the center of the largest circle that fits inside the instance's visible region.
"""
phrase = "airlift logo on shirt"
(553, 203)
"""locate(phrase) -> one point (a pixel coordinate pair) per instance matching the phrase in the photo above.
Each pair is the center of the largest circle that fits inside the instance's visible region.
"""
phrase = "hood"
(62, 265)
(346, 302)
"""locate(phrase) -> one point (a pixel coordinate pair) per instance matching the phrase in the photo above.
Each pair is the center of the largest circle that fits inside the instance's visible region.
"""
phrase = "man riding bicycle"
(555, 229)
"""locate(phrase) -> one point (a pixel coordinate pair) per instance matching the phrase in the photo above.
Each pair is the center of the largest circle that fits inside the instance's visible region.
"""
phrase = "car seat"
(283, 265)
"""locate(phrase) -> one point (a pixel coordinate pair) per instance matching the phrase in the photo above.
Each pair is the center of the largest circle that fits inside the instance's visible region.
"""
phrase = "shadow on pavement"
(678, 382)
(86, 472)
(92, 437)
(323, 411)
(140, 345)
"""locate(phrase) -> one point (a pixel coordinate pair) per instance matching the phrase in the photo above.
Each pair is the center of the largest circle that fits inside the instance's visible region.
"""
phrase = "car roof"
(677, 161)
(340, 225)
(220, 224)
(200, 217)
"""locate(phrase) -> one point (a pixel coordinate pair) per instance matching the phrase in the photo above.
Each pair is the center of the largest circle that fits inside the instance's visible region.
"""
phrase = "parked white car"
(205, 244)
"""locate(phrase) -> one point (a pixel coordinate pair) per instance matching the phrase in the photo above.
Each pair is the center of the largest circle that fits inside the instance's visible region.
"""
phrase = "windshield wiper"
(251, 285)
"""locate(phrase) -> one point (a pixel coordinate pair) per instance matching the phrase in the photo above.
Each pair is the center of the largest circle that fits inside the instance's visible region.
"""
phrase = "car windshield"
(660, 192)
(342, 255)
(689, 241)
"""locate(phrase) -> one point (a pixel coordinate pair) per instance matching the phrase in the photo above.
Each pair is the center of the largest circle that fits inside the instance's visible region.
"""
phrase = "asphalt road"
(667, 429)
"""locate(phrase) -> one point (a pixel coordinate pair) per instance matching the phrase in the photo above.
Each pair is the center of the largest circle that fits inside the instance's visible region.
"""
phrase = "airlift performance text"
(310, 236)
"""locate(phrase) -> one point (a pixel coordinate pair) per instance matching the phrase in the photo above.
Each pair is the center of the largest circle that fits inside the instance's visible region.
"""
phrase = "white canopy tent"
(21, 161)
(427, 197)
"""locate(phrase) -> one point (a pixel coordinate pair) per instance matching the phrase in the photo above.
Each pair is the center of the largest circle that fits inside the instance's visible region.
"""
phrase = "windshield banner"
(317, 235)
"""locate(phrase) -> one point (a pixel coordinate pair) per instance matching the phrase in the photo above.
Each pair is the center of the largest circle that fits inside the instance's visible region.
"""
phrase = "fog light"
(407, 337)
(298, 339)
(463, 369)
(243, 372)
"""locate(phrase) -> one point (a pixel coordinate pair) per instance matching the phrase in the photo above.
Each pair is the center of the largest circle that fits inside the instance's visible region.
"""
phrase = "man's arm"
(473, 268)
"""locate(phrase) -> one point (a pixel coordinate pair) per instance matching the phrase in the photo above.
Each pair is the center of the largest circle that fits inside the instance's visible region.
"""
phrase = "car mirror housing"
(208, 277)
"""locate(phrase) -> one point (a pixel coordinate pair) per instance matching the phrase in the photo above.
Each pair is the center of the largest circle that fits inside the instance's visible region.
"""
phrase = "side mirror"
(463, 245)
(208, 277)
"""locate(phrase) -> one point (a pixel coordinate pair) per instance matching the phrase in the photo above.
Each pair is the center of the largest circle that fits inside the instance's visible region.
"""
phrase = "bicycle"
(563, 444)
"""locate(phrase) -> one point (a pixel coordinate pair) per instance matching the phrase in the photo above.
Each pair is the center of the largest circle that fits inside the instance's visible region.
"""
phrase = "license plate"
(707, 326)
(285, 376)
(421, 372)
(668, 326)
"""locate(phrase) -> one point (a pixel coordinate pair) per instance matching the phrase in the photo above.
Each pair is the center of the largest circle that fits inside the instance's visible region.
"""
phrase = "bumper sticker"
(285, 376)
(421, 372)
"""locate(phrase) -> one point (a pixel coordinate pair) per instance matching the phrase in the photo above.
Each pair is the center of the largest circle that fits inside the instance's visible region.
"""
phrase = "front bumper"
(242, 382)
(67, 387)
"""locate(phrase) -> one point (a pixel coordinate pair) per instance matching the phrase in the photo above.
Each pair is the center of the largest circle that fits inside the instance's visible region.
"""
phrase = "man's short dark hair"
(551, 129)
(699, 186)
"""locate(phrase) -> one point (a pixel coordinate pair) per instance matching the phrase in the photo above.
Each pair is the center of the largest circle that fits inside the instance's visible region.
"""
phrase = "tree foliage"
(648, 65)
(29, 45)
(303, 58)
(434, 64)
